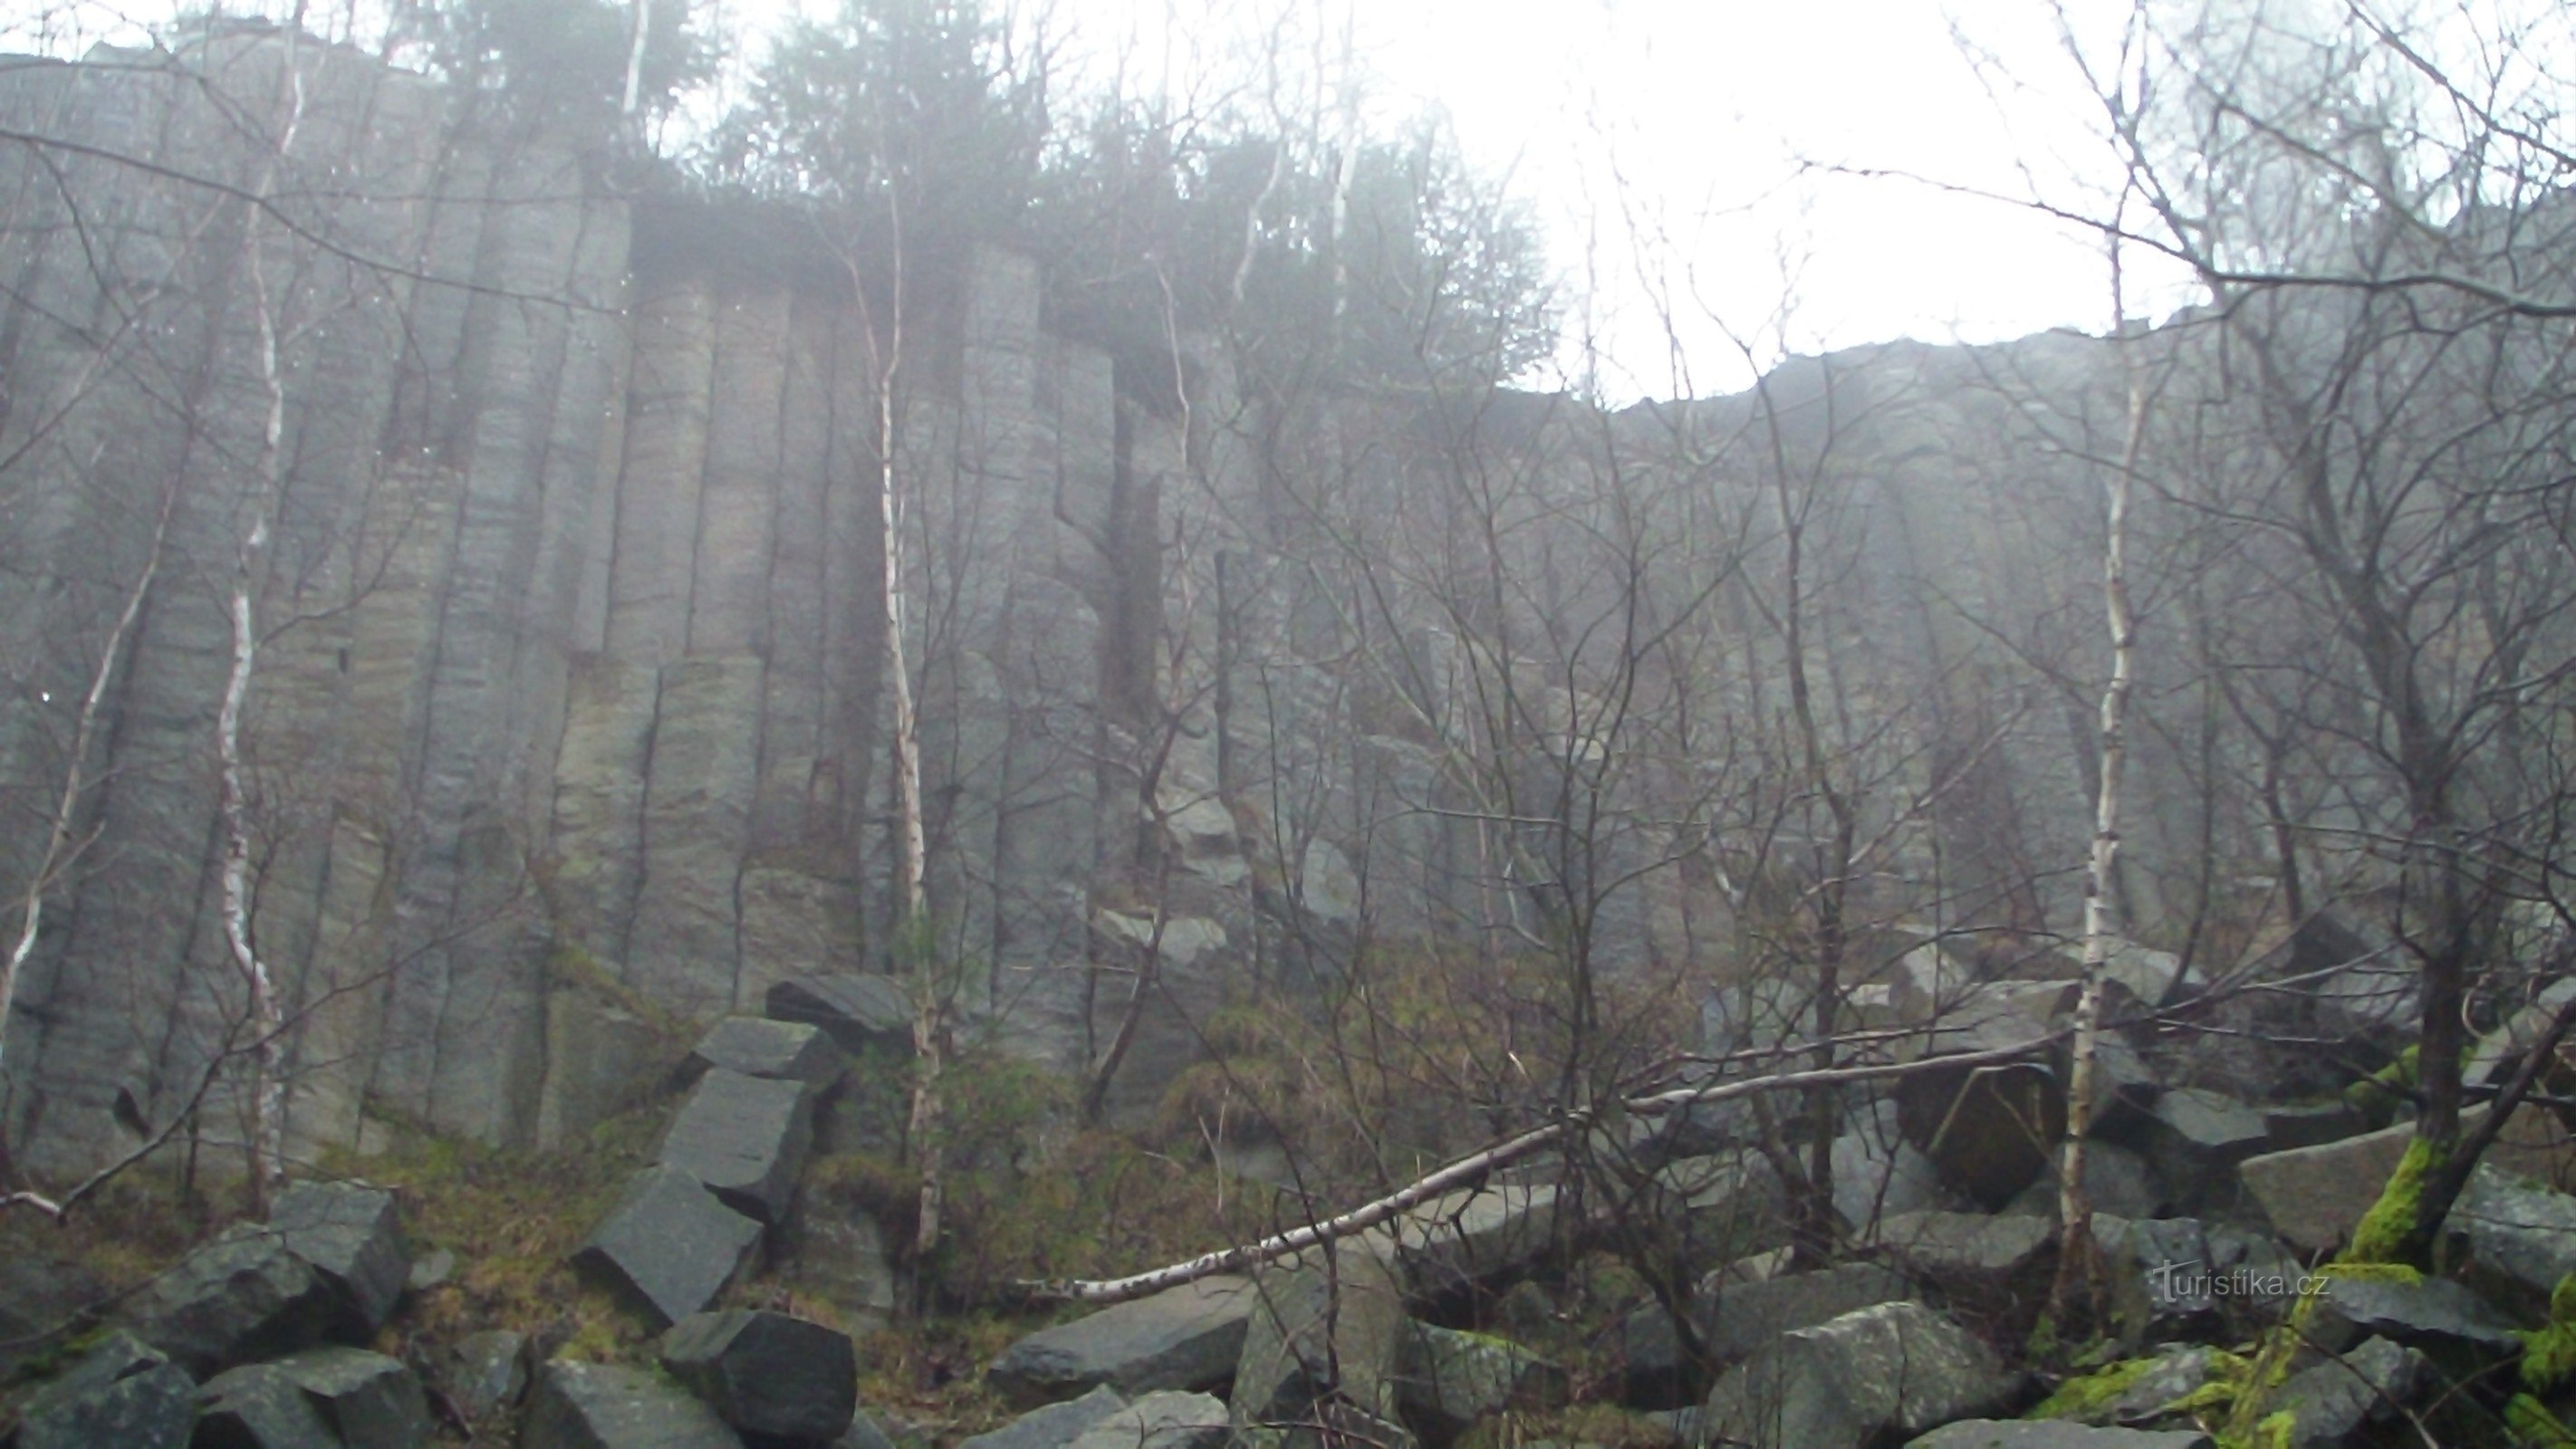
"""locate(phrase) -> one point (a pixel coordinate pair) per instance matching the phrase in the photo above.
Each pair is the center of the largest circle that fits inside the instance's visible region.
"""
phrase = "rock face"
(596, 1406)
(767, 1373)
(123, 1392)
(669, 1244)
(1894, 1370)
(1187, 1337)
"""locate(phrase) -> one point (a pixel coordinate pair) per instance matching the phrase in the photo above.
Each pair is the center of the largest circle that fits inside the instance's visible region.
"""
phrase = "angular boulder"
(1990, 1131)
(1162, 1420)
(2315, 1196)
(745, 1138)
(1326, 1321)
(368, 1401)
(483, 1373)
(2331, 1402)
(1186, 1338)
(669, 1245)
(1476, 1236)
(2428, 1312)
(240, 1298)
(123, 1392)
(2521, 1237)
(2195, 1137)
(1452, 1379)
(760, 1047)
(1968, 1253)
(352, 1235)
(1054, 1426)
(1741, 1317)
(767, 1373)
(857, 1011)
(1894, 1370)
(257, 1406)
(597, 1406)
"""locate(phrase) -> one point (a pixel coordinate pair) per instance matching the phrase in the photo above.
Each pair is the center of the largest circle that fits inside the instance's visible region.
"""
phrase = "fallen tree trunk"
(1473, 1167)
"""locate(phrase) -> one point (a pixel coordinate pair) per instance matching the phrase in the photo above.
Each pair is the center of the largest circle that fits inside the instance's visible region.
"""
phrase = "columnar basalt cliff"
(556, 508)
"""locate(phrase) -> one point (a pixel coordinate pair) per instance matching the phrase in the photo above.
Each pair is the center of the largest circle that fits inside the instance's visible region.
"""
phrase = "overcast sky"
(1693, 140)
(1679, 152)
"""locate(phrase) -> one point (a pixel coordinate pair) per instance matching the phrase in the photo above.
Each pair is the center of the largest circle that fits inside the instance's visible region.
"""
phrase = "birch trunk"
(2078, 1261)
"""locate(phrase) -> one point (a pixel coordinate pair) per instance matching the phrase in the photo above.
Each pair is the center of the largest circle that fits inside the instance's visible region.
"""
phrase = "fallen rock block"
(1476, 1236)
(1990, 1130)
(669, 1245)
(2521, 1236)
(857, 1011)
(1968, 1252)
(368, 1401)
(1742, 1317)
(1452, 1380)
(1323, 1325)
(482, 1373)
(745, 1138)
(257, 1406)
(759, 1047)
(352, 1235)
(1187, 1337)
(2195, 1137)
(1054, 1426)
(238, 1299)
(2332, 1401)
(1161, 1420)
(2315, 1196)
(596, 1406)
(767, 1373)
(2427, 1312)
(123, 1392)
(1856, 1381)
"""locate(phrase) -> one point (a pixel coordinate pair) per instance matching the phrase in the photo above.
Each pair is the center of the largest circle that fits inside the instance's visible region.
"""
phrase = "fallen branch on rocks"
(1473, 1167)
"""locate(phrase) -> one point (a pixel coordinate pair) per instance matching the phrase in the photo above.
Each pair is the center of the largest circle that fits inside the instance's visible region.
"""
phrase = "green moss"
(2534, 1426)
(2549, 1354)
(2383, 1230)
(2079, 1398)
(2377, 1096)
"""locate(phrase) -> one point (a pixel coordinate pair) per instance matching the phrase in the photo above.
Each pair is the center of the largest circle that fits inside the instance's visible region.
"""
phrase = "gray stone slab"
(759, 1047)
(1054, 1426)
(858, 1011)
(744, 1138)
(1166, 1419)
(669, 1244)
(241, 1298)
(369, 1401)
(352, 1235)
(767, 1373)
(598, 1406)
(123, 1392)
(1855, 1381)
(1187, 1337)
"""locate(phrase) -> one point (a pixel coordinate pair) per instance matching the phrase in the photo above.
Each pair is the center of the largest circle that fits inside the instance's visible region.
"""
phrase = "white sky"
(1665, 138)
(1668, 136)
